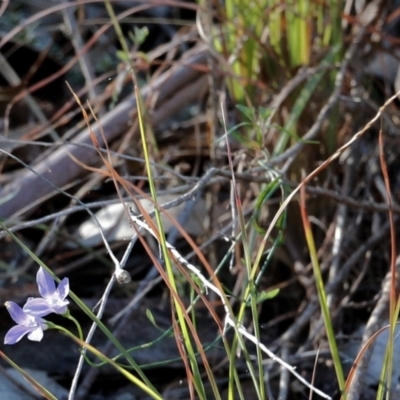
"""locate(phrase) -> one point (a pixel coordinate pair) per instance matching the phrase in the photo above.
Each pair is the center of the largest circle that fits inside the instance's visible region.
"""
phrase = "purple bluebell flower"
(26, 324)
(53, 299)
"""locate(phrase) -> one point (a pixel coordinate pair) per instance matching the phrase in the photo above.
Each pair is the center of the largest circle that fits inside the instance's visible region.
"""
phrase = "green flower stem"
(74, 320)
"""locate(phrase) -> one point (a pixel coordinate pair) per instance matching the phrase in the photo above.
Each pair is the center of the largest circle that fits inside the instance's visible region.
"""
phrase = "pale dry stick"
(77, 42)
(4, 6)
(284, 375)
(117, 275)
(377, 319)
(359, 205)
(229, 321)
(234, 223)
(341, 220)
(88, 339)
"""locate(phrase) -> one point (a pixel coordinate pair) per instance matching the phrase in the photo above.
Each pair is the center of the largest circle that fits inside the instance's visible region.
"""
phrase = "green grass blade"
(323, 299)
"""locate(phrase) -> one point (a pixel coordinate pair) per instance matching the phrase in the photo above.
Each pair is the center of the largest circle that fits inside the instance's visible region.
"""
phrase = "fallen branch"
(174, 89)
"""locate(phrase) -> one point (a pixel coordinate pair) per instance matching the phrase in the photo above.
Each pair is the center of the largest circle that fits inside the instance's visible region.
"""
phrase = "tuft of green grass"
(255, 35)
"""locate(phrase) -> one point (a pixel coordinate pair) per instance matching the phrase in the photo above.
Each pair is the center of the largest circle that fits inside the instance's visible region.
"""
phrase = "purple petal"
(61, 308)
(17, 314)
(36, 335)
(37, 307)
(63, 288)
(45, 283)
(26, 324)
(16, 333)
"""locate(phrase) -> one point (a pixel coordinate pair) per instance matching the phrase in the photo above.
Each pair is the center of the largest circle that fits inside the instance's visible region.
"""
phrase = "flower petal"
(37, 307)
(36, 335)
(61, 308)
(17, 314)
(16, 333)
(45, 283)
(63, 288)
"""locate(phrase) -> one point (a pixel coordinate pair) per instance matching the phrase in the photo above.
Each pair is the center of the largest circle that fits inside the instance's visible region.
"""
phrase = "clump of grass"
(255, 36)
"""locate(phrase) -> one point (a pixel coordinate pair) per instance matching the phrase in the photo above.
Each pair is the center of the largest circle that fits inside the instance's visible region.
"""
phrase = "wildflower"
(53, 300)
(26, 324)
